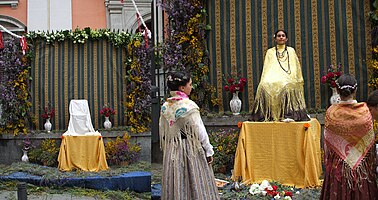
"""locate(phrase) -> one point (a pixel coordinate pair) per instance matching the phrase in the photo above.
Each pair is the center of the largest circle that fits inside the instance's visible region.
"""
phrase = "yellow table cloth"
(85, 153)
(278, 151)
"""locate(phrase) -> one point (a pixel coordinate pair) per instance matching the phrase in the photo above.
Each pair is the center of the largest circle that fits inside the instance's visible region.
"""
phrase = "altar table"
(85, 153)
(279, 151)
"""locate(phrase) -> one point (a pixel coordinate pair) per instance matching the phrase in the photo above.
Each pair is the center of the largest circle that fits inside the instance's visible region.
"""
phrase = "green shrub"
(121, 152)
(46, 154)
(224, 143)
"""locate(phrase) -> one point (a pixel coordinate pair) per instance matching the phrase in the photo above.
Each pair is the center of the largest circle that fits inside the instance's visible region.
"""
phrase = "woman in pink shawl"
(349, 150)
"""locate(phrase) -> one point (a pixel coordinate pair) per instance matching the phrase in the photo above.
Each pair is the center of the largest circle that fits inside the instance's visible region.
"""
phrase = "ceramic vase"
(107, 123)
(335, 98)
(48, 125)
(25, 157)
(235, 103)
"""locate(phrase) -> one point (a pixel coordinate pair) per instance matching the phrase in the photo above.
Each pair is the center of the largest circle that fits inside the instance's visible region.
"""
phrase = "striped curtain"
(323, 32)
(63, 71)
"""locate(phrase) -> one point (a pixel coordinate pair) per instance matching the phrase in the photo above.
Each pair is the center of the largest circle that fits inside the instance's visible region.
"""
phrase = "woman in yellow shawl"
(280, 92)
(349, 150)
(187, 152)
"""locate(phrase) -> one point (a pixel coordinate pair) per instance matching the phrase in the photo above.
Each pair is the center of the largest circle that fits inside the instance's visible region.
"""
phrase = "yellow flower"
(137, 43)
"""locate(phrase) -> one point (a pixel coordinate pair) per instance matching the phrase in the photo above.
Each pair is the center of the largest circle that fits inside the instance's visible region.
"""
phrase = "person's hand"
(209, 159)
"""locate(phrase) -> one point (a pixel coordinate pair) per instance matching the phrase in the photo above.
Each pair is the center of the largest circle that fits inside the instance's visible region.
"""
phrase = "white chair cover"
(80, 119)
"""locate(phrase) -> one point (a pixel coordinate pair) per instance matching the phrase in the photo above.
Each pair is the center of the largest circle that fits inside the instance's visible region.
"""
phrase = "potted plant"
(48, 113)
(107, 111)
(234, 85)
(331, 75)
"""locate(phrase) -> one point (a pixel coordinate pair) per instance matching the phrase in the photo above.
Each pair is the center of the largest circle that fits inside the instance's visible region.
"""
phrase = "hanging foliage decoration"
(185, 47)
(138, 81)
(14, 89)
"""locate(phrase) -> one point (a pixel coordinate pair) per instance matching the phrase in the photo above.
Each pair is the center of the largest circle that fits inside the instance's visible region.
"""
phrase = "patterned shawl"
(349, 132)
(177, 106)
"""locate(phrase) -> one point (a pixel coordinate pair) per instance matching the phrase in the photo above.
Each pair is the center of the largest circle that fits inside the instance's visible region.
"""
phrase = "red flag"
(24, 46)
(1, 41)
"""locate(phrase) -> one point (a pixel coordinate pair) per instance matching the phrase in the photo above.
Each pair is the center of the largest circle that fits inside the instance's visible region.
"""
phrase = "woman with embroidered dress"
(280, 92)
(349, 151)
(187, 152)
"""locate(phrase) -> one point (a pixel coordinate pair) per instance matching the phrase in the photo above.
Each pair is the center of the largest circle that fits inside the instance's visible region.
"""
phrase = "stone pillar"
(114, 17)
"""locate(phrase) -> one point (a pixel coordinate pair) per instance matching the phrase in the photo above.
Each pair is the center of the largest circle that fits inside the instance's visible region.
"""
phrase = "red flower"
(274, 187)
(234, 84)
(287, 193)
(306, 126)
(243, 80)
(48, 111)
(333, 83)
(107, 111)
(324, 79)
(332, 74)
(240, 124)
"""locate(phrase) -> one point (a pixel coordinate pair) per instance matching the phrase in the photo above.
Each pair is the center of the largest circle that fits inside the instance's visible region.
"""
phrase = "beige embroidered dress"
(280, 92)
(185, 146)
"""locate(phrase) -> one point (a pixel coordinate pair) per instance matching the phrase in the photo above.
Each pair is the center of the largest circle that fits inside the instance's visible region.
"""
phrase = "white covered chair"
(80, 119)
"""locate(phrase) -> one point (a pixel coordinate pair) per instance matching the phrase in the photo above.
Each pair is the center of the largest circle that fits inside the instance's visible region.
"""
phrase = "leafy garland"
(373, 63)
(79, 36)
(185, 47)
(14, 88)
(138, 88)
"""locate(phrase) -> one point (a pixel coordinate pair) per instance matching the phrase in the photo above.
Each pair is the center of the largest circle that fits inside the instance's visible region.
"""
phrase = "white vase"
(335, 98)
(48, 125)
(25, 157)
(107, 123)
(235, 104)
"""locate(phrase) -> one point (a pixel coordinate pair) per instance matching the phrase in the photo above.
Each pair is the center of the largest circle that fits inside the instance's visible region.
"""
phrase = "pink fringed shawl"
(349, 132)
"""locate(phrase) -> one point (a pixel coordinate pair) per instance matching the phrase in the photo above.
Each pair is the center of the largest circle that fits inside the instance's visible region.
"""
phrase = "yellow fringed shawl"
(279, 90)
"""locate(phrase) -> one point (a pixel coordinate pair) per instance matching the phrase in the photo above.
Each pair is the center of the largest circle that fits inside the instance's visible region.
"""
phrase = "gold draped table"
(85, 153)
(288, 153)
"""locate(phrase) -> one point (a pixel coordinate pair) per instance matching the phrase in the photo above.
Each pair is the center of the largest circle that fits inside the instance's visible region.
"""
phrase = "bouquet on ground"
(235, 84)
(273, 191)
(48, 111)
(107, 111)
(332, 74)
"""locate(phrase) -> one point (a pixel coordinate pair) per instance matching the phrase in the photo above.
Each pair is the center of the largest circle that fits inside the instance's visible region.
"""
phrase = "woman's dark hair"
(275, 34)
(177, 79)
(346, 84)
(373, 99)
